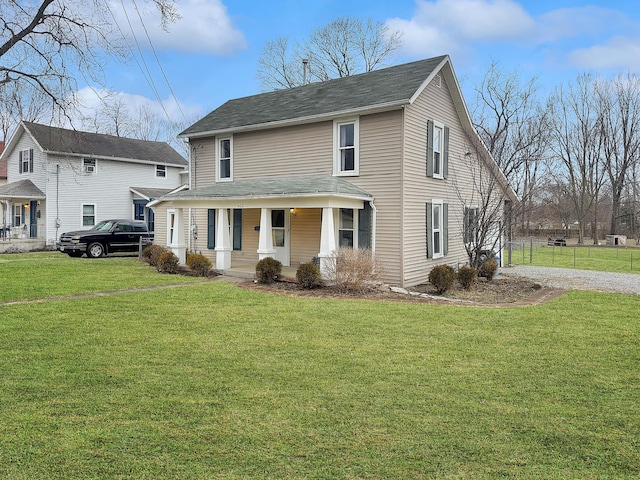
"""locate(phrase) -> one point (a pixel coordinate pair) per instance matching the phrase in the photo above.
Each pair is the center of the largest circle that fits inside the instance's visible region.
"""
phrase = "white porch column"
(328, 250)
(265, 243)
(223, 240)
(178, 245)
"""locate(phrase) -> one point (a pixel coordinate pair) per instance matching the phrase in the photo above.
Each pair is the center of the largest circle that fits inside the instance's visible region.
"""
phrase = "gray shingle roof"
(62, 140)
(21, 189)
(308, 185)
(151, 193)
(393, 85)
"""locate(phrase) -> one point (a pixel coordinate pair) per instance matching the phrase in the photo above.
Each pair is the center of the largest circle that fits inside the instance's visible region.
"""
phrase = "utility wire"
(158, 61)
(147, 75)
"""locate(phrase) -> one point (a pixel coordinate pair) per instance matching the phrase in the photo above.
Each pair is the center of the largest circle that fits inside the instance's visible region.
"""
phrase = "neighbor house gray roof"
(380, 88)
(62, 140)
(21, 189)
(301, 186)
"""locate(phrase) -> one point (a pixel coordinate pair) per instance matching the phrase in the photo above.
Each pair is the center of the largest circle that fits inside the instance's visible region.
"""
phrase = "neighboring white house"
(60, 180)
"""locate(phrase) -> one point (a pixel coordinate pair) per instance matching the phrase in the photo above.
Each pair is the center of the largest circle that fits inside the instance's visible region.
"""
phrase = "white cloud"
(92, 100)
(459, 27)
(618, 53)
(450, 26)
(204, 27)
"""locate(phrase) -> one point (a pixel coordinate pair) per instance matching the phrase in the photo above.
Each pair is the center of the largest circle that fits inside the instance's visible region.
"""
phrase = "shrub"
(356, 270)
(467, 277)
(308, 275)
(442, 277)
(488, 269)
(268, 270)
(199, 264)
(167, 262)
(151, 254)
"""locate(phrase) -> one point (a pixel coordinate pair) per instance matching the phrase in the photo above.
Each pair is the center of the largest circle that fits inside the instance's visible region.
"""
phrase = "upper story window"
(161, 171)
(346, 147)
(224, 156)
(89, 165)
(25, 160)
(437, 150)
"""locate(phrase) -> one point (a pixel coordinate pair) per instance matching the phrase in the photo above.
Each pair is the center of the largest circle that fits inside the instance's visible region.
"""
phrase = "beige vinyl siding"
(203, 161)
(434, 103)
(305, 235)
(296, 150)
(380, 175)
(250, 237)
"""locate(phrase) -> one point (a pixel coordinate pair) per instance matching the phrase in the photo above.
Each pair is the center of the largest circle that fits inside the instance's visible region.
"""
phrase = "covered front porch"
(293, 220)
(22, 210)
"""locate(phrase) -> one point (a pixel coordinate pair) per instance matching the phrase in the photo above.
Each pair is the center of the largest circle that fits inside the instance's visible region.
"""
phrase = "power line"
(145, 71)
(158, 61)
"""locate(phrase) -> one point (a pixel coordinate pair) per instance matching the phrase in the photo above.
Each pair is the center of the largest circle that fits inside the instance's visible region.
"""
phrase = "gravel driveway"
(578, 279)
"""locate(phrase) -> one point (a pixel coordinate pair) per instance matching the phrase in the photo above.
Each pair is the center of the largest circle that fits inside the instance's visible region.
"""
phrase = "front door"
(280, 234)
(33, 219)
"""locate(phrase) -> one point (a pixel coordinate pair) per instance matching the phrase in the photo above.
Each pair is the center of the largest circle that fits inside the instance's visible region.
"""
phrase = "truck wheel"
(95, 250)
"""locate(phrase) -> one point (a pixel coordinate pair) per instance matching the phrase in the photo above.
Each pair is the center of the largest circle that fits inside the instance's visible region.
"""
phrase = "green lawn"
(213, 381)
(605, 259)
(51, 274)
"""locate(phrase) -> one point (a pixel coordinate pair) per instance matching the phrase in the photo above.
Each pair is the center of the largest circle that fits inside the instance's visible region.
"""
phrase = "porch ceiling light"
(293, 212)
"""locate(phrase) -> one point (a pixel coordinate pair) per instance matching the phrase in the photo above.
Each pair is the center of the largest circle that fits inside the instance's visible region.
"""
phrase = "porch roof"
(25, 189)
(308, 186)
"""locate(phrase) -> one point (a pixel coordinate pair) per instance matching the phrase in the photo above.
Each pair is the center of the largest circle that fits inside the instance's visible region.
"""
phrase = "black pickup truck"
(106, 237)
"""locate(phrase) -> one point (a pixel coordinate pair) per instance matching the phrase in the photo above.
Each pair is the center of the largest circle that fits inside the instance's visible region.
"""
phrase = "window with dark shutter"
(237, 229)
(211, 228)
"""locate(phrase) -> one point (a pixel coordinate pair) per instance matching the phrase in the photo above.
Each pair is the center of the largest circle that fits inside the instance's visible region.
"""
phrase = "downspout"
(57, 201)
(402, 199)
(374, 220)
(190, 227)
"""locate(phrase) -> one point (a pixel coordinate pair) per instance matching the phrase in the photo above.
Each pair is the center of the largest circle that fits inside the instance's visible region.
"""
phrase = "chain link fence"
(556, 253)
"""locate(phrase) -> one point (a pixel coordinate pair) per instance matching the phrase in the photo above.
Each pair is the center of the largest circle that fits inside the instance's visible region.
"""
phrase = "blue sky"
(211, 54)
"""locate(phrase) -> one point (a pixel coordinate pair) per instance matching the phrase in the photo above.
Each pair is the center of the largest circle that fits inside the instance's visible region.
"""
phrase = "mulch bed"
(501, 291)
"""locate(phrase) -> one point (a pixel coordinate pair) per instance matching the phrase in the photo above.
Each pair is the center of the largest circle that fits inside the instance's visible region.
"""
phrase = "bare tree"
(619, 103)
(48, 44)
(513, 124)
(577, 144)
(344, 47)
(485, 200)
(20, 102)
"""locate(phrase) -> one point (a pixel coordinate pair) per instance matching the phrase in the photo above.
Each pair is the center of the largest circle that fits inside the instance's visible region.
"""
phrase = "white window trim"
(336, 147)
(82, 215)
(85, 171)
(163, 169)
(218, 140)
(336, 222)
(437, 203)
(440, 175)
(171, 227)
(26, 151)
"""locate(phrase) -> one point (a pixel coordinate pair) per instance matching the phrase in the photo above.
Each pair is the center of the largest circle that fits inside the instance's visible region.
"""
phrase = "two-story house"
(61, 180)
(375, 161)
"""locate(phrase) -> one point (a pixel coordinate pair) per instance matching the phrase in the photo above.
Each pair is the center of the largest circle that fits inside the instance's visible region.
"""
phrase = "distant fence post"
(530, 250)
(574, 257)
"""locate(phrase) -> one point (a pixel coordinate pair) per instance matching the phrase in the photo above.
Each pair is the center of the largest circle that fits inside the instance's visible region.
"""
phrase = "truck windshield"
(103, 226)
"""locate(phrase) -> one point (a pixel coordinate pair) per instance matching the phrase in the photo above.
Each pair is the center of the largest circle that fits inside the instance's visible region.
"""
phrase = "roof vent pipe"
(305, 70)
